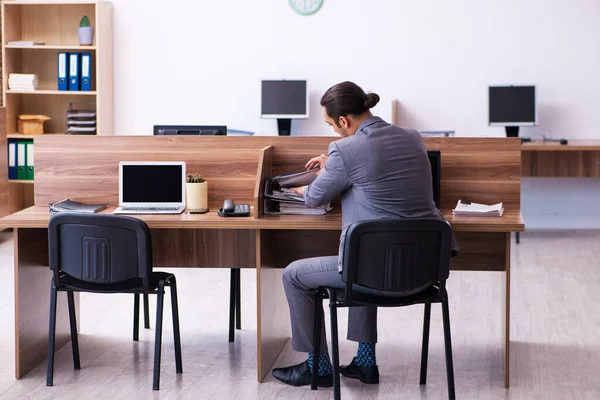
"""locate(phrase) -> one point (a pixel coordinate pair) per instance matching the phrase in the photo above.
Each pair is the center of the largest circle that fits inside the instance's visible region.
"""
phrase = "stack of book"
(280, 199)
(24, 82)
(466, 208)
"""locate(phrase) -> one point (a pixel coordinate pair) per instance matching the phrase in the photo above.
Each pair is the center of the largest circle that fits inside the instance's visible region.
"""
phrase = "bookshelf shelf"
(21, 136)
(52, 47)
(20, 181)
(52, 92)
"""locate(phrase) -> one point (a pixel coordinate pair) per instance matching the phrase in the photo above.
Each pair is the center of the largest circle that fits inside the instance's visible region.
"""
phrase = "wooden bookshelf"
(55, 23)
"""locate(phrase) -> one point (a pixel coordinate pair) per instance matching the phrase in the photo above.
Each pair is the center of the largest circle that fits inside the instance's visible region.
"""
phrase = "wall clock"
(306, 7)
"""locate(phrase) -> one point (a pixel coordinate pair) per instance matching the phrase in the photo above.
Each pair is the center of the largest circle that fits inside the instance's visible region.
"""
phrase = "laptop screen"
(152, 184)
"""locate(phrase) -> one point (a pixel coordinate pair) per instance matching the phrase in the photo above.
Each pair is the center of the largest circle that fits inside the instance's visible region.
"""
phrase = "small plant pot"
(86, 36)
(197, 196)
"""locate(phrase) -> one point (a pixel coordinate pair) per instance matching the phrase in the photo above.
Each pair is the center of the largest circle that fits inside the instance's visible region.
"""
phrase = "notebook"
(68, 205)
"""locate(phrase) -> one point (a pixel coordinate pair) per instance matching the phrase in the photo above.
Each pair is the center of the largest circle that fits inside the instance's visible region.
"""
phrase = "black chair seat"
(134, 285)
(429, 295)
(101, 253)
(381, 256)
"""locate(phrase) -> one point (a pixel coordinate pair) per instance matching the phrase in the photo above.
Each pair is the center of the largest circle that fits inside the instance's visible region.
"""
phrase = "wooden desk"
(481, 170)
(578, 158)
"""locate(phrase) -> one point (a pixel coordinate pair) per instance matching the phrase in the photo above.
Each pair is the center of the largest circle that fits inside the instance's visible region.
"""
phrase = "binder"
(74, 71)
(62, 72)
(21, 160)
(29, 163)
(12, 160)
(86, 72)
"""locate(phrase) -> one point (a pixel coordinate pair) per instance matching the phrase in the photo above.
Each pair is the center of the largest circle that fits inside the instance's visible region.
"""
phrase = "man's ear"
(344, 122)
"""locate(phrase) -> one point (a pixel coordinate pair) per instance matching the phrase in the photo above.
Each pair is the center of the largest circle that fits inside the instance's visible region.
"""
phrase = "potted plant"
(196, 189)
(85, 31)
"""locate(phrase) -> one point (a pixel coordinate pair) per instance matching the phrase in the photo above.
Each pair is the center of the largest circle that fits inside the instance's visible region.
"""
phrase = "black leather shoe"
(300, 375)
(367, 375)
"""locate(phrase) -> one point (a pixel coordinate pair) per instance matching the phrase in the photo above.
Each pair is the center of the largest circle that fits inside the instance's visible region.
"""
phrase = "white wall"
(201, 62)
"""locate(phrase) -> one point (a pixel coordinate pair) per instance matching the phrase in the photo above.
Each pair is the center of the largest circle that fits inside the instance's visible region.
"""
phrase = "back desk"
(86, 169)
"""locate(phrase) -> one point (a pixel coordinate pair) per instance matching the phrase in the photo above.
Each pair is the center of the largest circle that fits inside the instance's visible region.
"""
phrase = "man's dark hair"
(347, 98)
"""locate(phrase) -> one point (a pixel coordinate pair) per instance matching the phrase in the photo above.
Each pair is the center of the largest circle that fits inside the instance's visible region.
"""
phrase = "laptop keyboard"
(149, 208)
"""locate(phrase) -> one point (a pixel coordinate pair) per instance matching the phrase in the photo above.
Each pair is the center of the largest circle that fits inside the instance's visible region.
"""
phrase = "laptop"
(152, 187)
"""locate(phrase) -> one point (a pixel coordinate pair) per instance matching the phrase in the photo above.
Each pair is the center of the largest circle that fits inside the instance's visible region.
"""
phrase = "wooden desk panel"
(87, 168)
(32, 305)
(204, 248)
(577, 159)
(561, 164)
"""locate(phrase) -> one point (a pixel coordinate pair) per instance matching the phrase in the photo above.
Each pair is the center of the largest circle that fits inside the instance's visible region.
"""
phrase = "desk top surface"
(38, 216)
(573, 145)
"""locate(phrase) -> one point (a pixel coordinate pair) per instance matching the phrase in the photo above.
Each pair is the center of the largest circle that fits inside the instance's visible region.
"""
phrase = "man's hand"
(319, 161)
(300, 190)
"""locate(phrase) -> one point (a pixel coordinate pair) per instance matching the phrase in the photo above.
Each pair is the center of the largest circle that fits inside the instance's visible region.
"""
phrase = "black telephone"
(230, 209)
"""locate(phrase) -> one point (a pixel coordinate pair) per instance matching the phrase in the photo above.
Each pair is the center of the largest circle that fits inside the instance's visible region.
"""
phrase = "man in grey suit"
(381, 171)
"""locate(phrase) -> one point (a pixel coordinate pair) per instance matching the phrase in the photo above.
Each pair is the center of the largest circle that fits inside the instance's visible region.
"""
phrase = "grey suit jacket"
(381, 171)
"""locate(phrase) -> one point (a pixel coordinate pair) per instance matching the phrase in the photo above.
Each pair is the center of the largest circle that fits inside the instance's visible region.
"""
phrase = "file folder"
(74, 71)
(29, 163)
(86, 72)
(21, 160)
(62, 72)
(12, 160)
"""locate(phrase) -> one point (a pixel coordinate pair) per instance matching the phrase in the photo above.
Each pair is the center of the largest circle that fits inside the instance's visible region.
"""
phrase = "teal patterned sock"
(365, 356)
(325, 367)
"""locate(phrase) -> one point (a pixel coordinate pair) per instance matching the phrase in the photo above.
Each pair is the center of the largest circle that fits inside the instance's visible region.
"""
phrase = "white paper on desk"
(476, 209)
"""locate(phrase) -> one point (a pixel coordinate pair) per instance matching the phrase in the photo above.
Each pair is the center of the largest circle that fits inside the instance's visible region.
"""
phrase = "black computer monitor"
(512, 107)
(435, 159)
(190, 130)
(284, 100)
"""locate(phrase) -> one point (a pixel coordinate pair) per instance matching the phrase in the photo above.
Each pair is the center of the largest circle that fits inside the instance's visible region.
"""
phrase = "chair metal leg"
(317, 340)
(425, 345)
(136, 317)
(158, 336)
(51, 335)
(448, 346)
(176, 334)
(73, 323)
(232, 290)
(337, 395)
(238, 299)
(146, 311)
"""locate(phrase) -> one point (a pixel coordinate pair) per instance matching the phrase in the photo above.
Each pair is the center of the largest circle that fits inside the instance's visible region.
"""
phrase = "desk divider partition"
(86, 169)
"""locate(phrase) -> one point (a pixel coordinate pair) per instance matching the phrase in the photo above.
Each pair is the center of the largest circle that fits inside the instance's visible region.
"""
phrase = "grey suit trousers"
(300, 281)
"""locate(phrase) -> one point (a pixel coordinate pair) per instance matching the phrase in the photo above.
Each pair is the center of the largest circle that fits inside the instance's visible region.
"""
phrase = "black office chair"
(106, 254)
(391, 263)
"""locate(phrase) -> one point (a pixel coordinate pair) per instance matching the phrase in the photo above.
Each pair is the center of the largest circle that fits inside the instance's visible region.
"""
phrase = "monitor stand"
(512, 131)
(284, 125)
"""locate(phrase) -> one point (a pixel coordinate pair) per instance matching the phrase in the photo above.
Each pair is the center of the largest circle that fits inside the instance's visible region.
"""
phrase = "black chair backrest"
(397, 255)
(99, 248)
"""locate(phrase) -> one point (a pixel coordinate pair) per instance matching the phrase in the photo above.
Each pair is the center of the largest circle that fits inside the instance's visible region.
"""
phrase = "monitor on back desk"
(152, 187)
(435, 161)
(194, 130)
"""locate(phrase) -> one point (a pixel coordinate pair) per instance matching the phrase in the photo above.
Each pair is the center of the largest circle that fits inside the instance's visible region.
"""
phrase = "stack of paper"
(80, 119)
(280, 199)
(466, 208)
(25, 82)
(26, 43)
